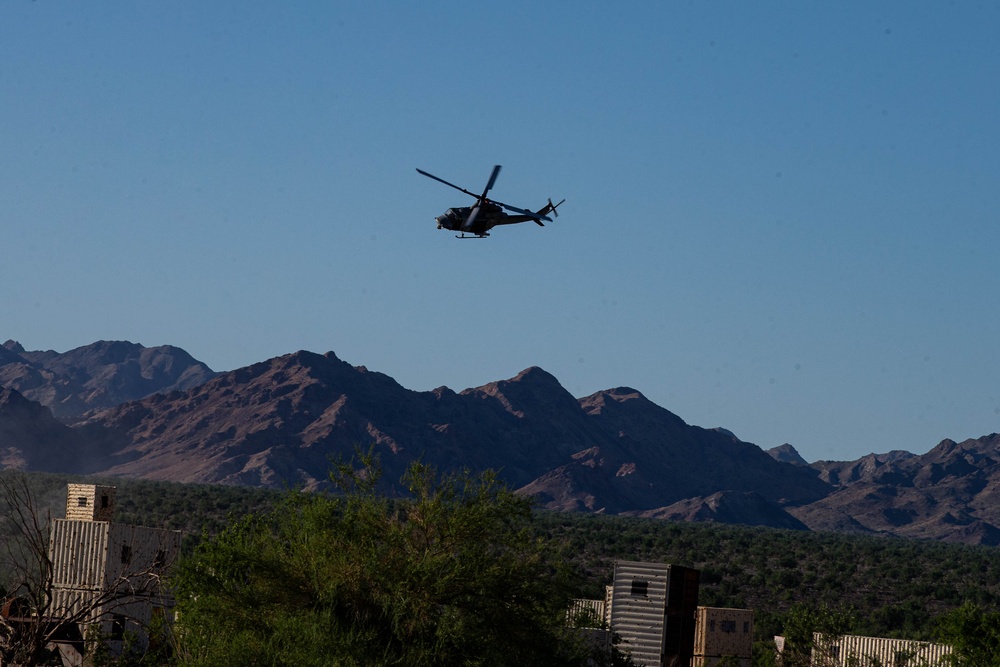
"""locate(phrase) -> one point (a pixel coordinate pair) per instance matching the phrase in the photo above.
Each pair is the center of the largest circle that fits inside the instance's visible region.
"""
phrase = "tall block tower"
(90, 502)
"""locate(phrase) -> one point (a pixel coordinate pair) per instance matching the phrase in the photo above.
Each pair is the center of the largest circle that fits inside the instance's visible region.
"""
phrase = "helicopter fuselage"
(455, 219)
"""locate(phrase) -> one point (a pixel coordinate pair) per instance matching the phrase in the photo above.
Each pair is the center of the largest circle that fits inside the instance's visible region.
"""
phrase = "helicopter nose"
(448, 220)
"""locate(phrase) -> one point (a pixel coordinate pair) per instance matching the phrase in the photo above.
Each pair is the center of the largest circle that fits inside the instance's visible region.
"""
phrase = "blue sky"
(781, 217)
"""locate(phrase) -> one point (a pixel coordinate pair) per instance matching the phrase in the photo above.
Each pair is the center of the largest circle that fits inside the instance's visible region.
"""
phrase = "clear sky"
(781, 217)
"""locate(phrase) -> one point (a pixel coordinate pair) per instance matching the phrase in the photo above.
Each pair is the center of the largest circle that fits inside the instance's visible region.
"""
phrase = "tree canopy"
(974, 635)
(451, 575)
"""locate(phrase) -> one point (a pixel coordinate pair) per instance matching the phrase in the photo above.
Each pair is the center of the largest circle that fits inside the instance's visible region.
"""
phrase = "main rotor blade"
(493, 179)
(467, 225)
(441, 180)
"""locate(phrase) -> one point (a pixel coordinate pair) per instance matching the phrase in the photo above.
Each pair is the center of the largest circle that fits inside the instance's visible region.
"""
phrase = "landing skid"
(476, 236)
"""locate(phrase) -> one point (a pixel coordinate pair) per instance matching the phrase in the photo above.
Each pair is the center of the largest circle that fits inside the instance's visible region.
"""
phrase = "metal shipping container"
(721, 632)
(96, 554)
(845, 650)
(638, 607)
(652, 611)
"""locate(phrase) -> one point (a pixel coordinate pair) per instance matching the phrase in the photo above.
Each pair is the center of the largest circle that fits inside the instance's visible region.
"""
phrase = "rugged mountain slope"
(950, 493)
(746, 508)
(278, 423)
(651, 458)
(32, 439)
(96, 376)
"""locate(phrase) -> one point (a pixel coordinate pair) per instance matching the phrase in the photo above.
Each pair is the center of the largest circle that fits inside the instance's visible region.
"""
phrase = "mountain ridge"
(281, 422)
(96, 376)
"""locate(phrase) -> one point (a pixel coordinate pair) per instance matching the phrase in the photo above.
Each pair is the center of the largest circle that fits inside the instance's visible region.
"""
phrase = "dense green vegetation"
(874, 585)
(893, 587)
(450, 576)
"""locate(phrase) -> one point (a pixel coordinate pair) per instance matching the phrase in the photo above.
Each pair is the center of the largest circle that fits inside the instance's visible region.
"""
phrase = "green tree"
(801, 624)
(450, 575)
(974, 635)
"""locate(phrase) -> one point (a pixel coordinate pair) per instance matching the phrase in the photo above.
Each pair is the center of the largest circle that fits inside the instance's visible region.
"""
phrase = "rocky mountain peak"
(9, 357)
(628, 405)
(787, 454)
(533, 391)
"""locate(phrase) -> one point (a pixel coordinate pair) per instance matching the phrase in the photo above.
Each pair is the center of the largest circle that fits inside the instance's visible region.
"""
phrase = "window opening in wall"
(727, 626)
(640, 588)
(81, 501)
(126, 554)
(104, 501)
(117, 626)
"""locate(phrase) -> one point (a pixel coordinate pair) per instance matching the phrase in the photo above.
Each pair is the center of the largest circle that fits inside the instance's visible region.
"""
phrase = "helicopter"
(486, 213)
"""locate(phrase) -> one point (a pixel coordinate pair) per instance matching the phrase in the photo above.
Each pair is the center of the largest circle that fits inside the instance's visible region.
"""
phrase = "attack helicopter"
(486, 213)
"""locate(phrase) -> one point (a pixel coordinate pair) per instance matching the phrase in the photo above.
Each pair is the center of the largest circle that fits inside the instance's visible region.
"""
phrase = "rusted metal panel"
(90, 502)
(853, 650)
(721, 632)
